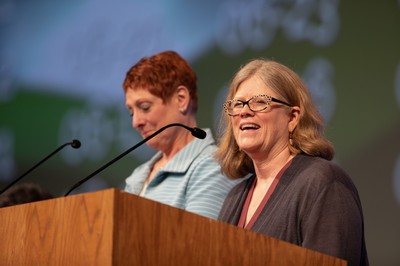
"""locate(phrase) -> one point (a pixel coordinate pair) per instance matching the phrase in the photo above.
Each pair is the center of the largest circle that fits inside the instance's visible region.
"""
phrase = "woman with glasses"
(161, 90)
(275, 137)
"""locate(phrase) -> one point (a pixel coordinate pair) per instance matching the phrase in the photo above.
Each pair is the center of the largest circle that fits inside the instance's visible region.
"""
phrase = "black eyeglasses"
(256, 103)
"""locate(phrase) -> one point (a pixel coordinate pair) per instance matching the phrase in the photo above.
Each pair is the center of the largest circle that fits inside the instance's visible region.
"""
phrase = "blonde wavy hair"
(307, 138)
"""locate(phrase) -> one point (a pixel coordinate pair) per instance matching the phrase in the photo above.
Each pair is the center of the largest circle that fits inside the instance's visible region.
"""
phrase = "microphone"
(76, 144)
(196, 132)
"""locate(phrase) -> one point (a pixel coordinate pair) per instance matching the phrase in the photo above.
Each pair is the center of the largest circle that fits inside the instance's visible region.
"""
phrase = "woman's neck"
(179, 142)
(269, 167)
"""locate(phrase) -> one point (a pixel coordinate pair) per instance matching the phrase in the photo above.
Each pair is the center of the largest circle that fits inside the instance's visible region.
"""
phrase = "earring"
(291, 138)
(183, 111)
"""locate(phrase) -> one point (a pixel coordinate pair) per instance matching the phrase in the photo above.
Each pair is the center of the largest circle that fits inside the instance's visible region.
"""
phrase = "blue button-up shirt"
(191, 180)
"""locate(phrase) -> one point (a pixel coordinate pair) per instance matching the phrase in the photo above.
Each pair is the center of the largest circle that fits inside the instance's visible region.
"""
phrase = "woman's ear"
(182, 99)
(294, 118)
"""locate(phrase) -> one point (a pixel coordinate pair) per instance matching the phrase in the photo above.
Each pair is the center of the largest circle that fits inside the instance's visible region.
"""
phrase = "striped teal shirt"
(192, 180)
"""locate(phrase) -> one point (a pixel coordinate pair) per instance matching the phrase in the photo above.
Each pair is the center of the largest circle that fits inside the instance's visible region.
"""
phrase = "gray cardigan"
(315, 205)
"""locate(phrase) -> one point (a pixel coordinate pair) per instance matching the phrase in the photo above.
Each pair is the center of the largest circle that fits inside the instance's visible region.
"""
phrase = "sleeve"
(207, 188)
(334, 225)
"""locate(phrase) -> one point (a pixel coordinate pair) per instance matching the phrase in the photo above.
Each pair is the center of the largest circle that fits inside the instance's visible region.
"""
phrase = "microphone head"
(76, 144)
(198, 133)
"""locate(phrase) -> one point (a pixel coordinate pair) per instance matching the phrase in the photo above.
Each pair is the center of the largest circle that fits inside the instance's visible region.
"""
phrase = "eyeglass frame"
(269, 100)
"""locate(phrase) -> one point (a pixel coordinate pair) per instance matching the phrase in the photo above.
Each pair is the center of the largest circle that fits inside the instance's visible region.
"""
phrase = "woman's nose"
(137, 121)
(246, 110)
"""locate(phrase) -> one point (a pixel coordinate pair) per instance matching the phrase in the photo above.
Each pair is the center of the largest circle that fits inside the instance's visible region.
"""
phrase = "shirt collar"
(182, 160)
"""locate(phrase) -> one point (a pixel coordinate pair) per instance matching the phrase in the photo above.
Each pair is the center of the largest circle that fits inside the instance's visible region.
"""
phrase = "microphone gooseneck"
(196, 132)
(74, 144)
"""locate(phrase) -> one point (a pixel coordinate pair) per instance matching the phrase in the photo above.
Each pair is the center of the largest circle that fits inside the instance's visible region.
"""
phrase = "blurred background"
(62, 65)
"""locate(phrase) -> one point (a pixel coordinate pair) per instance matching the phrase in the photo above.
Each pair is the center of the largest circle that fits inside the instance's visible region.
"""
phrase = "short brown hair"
(161, 74)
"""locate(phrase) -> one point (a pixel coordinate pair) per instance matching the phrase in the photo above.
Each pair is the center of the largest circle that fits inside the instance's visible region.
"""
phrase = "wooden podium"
(112, 227)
